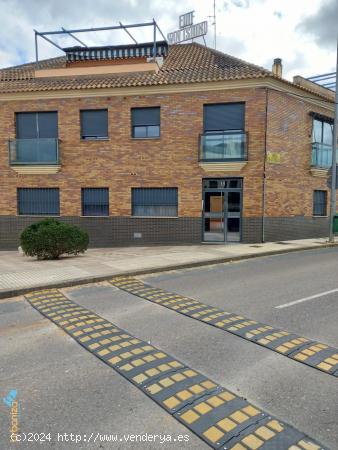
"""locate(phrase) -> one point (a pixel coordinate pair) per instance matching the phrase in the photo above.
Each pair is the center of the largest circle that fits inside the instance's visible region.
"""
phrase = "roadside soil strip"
(312, 353)
(216, 415)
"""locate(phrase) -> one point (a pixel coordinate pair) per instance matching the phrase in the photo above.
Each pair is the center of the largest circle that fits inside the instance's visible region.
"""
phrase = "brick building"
(194, 145)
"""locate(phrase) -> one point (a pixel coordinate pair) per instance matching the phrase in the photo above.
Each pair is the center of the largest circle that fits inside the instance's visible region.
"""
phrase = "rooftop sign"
(187, 29)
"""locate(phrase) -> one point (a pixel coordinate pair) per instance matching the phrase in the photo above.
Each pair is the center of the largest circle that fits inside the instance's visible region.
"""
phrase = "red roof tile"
(186, 63)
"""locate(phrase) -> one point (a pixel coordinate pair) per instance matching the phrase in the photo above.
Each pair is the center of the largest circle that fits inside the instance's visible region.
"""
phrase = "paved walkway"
(18, 272)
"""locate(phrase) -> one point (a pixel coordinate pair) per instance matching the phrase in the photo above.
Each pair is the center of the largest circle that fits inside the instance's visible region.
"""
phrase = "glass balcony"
(227, 146)
(321, 155)
(34, 151)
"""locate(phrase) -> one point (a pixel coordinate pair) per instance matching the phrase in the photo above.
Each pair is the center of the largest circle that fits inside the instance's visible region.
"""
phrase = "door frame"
(225, 192)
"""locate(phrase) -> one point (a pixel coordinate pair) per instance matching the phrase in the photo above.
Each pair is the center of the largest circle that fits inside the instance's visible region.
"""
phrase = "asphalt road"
(64, 389)
(256, 287)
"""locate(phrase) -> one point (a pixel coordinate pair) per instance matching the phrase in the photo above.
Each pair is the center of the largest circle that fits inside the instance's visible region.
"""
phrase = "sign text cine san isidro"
(187, 29)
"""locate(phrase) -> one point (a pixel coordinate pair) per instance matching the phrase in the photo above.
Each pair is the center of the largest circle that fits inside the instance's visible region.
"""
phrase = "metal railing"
(321, 155)
(226, 146)
(44, 151)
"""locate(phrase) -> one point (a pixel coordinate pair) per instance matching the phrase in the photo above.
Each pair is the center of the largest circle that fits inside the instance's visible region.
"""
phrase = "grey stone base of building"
(298, 227)
(251, 230)
(120, 231)
(113, 231)
(283, 228)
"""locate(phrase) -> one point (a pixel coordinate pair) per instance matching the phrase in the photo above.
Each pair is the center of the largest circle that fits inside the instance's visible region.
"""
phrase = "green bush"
(50, 238)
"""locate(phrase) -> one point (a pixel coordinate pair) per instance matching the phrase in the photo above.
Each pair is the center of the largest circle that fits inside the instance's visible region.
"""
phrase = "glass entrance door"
(213, 216)
(233, 216)
(222, 207)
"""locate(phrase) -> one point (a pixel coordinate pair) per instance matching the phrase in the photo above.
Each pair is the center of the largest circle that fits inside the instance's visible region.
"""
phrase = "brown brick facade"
(121, 162)
(290, 184)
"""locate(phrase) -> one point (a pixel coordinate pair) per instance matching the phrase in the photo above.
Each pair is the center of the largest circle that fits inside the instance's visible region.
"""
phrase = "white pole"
(334, 159)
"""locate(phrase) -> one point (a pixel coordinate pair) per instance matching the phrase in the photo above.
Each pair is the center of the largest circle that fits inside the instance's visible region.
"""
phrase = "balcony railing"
(43, 151)
(321, 155)
(227, 146)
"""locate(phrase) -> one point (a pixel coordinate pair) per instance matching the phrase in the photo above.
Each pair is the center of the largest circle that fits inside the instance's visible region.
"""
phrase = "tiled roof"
(187, 63)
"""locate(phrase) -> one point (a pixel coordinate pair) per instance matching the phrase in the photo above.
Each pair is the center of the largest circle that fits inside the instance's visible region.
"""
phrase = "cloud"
(257, 31)
(19, 17)
(237, 3)
(231, 45)
(323, 25)
(241, 3)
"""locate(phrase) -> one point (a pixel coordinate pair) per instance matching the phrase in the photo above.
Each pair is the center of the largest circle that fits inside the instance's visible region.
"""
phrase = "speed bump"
(216, 415)
(312, 353)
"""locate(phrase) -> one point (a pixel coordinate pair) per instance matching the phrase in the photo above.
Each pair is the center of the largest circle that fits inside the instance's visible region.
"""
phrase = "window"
(224, 117)
(154, 202)
(145, 122)
(319, 203)
(94, 124)
(36, 125)
(38, 201)
(322, 131)
(95, 201)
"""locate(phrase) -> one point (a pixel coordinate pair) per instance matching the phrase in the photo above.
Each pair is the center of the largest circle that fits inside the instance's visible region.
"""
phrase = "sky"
(301, 32)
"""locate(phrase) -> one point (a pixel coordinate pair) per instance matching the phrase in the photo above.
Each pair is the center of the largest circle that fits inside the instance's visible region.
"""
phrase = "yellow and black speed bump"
(174, 391)
(229, 422)
(216, 415)
(319, 355)
(294, 346)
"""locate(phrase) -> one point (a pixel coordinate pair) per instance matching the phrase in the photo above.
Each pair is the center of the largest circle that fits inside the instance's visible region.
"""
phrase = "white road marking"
(305, 299)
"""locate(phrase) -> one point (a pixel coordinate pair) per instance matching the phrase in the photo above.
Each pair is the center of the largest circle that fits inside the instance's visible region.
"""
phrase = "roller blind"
(224, 117)
(47, 123)
(154, 201)
(95, 202)
(38, 201)
(145, 116)
(35, 125)
(319, 203)
(94, 123)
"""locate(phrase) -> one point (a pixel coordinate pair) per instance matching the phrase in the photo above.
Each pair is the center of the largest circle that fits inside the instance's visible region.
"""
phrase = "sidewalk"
(19, 273)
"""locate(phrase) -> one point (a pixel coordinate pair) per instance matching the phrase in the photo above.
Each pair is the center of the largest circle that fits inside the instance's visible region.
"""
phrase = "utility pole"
(334, 159)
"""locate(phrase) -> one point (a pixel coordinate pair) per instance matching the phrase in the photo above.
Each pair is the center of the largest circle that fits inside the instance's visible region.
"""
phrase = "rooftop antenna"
(214, 24)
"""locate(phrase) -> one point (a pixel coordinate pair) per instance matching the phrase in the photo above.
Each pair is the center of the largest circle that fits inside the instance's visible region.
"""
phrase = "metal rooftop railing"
(326, 80)
(72, 33)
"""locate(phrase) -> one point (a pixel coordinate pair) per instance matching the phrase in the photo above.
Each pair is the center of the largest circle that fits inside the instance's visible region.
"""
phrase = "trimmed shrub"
(50, 238)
